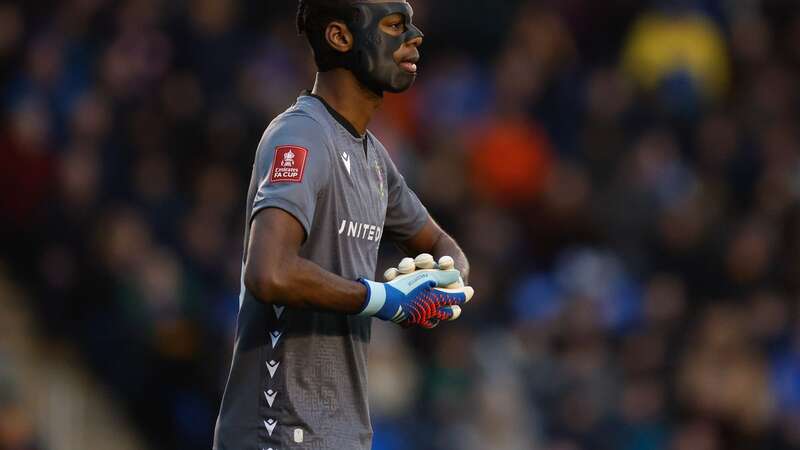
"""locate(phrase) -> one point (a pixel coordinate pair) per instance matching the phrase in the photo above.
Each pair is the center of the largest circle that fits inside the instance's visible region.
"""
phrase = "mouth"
(409, 64)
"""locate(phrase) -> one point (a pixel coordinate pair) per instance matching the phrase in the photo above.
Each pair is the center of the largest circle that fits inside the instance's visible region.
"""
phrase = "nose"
(416, 41)
(415, 35)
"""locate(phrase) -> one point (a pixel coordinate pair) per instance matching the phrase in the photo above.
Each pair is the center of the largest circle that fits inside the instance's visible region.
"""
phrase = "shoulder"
(295, 124)
(296, 127)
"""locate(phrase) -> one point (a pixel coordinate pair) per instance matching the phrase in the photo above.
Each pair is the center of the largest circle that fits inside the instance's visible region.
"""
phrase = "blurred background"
(624, 176)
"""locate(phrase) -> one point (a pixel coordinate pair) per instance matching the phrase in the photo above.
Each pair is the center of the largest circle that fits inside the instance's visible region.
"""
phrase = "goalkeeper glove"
(414, 299)
(423, 261)
(426, 261)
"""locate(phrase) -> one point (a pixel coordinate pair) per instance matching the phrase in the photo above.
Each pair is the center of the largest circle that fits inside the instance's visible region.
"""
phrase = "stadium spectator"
(624, 176)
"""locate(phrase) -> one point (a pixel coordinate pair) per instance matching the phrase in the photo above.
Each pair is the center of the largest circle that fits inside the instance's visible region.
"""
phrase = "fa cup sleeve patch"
(288, 165)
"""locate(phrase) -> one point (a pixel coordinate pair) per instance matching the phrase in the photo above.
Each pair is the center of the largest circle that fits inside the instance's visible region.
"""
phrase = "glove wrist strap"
(376, 297)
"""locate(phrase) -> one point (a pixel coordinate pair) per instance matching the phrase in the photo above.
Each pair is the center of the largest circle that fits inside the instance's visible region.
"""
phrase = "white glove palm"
(425, 261)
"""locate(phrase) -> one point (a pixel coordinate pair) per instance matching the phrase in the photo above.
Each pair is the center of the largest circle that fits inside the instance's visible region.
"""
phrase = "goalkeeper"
(323, 195)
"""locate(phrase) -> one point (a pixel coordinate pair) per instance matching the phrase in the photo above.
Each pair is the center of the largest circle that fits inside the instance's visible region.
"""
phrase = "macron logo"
(346, 160)
(359, 230)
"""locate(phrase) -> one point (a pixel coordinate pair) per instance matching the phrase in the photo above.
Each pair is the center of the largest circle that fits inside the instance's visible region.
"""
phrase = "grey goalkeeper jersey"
(298, 379)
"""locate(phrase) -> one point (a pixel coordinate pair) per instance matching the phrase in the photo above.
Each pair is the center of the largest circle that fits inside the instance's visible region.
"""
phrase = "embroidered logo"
(379, 171)
(288, 159)
(288, 165)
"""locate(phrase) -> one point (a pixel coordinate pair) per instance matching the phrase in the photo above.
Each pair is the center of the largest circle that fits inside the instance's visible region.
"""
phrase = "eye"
(398, 26)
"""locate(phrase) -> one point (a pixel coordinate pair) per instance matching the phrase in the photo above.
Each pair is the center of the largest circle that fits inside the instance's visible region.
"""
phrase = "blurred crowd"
(17, 431)
(624, 176)
(17, 427)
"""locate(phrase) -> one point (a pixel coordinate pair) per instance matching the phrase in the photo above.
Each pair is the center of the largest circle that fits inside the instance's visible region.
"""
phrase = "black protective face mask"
(371, 59)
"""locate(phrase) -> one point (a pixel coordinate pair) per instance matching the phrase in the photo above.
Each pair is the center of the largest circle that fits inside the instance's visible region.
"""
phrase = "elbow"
(266, 285)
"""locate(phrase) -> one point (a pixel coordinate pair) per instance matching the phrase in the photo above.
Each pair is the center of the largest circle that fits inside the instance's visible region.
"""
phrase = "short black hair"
(313, 17)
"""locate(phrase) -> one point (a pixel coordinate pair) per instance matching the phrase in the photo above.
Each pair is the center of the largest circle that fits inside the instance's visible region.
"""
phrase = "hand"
(426, 261)
(423, 261)
(414, 298)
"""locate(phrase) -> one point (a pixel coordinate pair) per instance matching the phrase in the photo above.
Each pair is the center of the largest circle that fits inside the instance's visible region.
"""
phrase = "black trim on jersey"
(339, 118)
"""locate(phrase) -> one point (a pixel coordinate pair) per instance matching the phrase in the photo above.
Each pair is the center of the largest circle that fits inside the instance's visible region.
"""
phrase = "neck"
(347, 96)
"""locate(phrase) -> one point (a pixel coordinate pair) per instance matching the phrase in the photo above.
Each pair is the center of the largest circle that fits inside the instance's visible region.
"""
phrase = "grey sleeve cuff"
(281, 203)
(417, 225)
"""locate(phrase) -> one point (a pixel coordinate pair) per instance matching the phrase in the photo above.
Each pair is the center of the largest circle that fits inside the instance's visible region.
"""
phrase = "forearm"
(301, 283)
(432, 239)
(446, 245)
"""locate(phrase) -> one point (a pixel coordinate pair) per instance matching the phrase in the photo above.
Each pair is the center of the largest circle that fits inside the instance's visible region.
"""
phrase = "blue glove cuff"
(376, 297)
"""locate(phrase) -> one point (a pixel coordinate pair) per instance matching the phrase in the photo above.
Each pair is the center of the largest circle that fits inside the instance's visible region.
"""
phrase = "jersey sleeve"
(405, 213)
(293, 168)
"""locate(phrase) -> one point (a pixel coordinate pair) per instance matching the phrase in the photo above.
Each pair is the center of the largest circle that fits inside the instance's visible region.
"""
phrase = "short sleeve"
(293, 168)
(405, 213)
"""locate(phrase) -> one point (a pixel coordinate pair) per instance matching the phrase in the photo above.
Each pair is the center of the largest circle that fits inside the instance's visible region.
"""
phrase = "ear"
(339, 37)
